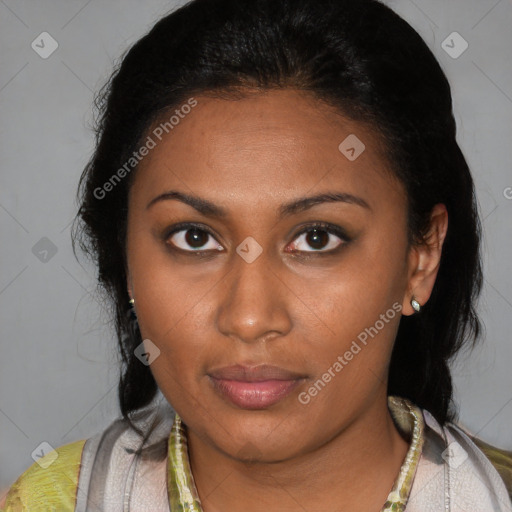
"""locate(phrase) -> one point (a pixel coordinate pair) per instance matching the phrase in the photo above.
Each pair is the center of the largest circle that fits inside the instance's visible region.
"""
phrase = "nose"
(254, 302)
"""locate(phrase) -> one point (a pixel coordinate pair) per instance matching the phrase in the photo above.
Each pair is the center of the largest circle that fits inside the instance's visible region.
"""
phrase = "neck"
(355, 469)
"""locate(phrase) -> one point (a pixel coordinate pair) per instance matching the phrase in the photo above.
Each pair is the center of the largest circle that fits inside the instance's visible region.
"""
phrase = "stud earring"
(132, 315)
(415, 305)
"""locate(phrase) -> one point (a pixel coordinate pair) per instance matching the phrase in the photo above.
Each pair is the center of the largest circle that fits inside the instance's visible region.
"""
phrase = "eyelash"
(321, 226)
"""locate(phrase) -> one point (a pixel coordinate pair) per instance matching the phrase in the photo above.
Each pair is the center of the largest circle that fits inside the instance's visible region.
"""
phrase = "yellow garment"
(50, 489)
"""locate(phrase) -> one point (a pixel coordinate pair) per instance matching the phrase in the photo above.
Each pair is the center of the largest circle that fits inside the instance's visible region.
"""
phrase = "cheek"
(169, 309)
(357, 312)
(175, 327)
(166, 292)
(357, 327)
(351, 296)
(175, 372)
(173, 318)
(350, 361)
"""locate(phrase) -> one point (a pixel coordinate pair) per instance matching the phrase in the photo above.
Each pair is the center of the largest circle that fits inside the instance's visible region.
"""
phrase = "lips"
(254, 373)
(254, 387)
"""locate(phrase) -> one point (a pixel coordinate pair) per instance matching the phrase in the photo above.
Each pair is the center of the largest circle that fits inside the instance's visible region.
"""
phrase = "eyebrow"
(209, 209)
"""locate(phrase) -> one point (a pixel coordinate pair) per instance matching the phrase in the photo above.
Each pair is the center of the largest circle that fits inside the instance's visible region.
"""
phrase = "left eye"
(318, 238)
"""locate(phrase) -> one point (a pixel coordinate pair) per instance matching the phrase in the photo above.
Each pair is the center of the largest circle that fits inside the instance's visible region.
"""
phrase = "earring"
(415, 305)
(132, 315)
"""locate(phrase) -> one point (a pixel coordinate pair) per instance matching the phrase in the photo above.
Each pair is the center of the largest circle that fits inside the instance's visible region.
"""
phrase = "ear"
(424, 260)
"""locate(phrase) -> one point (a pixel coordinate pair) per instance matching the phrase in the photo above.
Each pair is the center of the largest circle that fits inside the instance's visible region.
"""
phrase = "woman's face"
(249, 285)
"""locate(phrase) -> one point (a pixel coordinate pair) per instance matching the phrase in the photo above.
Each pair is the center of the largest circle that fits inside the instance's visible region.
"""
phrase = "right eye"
(188, 236)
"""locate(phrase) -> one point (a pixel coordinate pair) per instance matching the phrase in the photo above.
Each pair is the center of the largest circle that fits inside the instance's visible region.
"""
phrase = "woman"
(287, 229)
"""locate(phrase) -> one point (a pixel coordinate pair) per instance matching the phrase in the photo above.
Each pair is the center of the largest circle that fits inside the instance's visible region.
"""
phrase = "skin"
(298, 310)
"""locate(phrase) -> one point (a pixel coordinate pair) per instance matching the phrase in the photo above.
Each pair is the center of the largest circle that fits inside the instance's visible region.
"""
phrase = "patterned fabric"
(183, 495)
(409, 420)
(48, 484)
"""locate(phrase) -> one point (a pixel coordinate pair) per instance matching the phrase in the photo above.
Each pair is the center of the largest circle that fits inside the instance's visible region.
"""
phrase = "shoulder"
(49, 484)
(478, 473)
(500, 459)
(497, 460)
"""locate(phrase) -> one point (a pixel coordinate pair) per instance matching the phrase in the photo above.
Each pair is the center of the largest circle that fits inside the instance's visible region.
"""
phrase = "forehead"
(267, 146)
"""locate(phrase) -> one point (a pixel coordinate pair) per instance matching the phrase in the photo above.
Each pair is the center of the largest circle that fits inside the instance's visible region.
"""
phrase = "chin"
(265, 441)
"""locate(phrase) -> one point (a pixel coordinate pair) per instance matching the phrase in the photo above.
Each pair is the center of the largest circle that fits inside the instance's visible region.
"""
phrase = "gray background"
(59, 369)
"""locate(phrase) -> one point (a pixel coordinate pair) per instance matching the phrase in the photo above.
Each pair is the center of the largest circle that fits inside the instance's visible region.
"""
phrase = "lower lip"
(254, 395)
